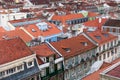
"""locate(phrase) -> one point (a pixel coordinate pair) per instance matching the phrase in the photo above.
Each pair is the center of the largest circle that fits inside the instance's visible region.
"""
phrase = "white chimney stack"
(100, 20)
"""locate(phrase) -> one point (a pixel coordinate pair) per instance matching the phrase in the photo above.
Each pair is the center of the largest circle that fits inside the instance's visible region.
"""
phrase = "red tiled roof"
(115, 72)
(95, 23)
(103, 39)
(96, 75)
(15, 33)
(13, 49)
(51, 31)
(38, 2)
(112, 22)
(39, 61)
(74, 45)
(2, 29)
(64, 18)
(92, 14)
(43, 50)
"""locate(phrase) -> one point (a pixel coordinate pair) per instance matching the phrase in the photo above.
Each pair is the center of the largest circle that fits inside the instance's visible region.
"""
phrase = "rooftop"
(15, 33)
(112, 23)
(37, 30)
(96, 75)
(101, 37)
(96, 23)
(43, 50)
(115, 72)
(73, 46)
(64, 18)
(13, 49)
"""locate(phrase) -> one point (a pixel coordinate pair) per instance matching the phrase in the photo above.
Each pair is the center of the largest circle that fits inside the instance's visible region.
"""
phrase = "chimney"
(100, 20)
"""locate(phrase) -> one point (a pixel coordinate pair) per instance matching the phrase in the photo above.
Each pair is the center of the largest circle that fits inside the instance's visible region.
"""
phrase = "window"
(108, 54)
(115, 42)
(59, 66)
(2, 16)
(98, 37)
(66, 49)
(43, 72)
(30, 63)
(100, 57)
(111, 30)
(99, 49)
(107, 45)
(104, 47)
(19, 67)
(51, 59)
(112, 52)
(104, 56)
(2, 73)
(112, 44)
(115, 50)
(51, 68)
(12, 70)
(105, 35)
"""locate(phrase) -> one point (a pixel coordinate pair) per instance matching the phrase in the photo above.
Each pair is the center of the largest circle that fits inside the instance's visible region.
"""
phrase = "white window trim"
(31, 65)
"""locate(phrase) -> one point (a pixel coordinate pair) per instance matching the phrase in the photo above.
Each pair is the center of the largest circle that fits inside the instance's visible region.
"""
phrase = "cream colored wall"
(15, 63)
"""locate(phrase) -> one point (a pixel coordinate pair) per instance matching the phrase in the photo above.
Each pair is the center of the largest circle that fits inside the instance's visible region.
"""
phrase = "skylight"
(42, 26)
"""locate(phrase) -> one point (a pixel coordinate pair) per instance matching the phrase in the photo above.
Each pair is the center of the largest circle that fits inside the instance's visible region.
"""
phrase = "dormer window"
(20, 67)
(98, 37)
(33, 30)
(105, 35)
(2, 73)
(30, 64)
(84, 43)
(66, 49)
(12, 70)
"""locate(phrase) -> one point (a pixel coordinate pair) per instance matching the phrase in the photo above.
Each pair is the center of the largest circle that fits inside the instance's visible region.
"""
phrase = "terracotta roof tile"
(74, 46)
(43, 50)
(101, 37)
(39, 61)
(64, 18)
(15, 33)
(96, 75)
(51, 31)
(92, 14)
(115, 72)
(112, 22)
(13, 49)
(95, 23)
(2, 29)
